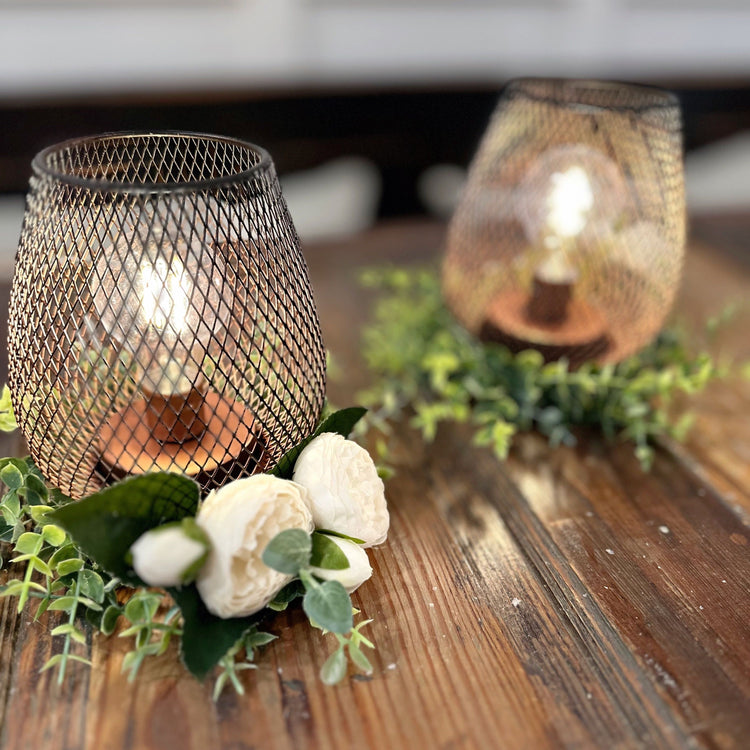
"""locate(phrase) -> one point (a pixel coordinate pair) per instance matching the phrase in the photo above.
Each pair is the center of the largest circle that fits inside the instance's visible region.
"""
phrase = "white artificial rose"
(346, 493)
(356, 574)
(241, 519)
(169, 555)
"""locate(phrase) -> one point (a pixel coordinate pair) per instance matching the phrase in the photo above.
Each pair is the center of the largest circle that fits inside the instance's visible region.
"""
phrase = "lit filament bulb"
(165, 300)
(166, 296)
(569, 202)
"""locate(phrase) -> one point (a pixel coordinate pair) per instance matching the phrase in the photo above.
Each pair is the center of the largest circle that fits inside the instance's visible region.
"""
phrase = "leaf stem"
(71, 622)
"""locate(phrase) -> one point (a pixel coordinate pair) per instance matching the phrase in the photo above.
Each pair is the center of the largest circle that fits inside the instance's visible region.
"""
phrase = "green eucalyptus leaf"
(54, 535)
(28, 543)
(11, 477)
(109, 619)
(64, 604)
(39, 512)
(329, 606)
(257, 639)
(359, 659)
(68, 566)
(327, 554)
(91, 585)
(288, 551)
(142, 607)
(341, 422)
(334, 668)
(106, 524)
(71, 630)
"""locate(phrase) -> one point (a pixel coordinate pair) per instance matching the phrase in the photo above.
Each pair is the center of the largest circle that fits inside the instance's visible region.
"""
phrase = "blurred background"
(371, 109)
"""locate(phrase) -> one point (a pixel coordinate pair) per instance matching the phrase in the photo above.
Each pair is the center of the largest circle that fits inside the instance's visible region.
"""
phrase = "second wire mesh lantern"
(161, 313)
(569, 237)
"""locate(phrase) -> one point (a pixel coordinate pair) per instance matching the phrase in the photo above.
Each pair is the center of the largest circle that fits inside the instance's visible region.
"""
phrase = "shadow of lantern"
(569, 236)
(161, 313)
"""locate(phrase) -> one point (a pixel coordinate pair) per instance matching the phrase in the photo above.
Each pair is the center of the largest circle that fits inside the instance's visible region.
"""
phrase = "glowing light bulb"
(166, 296)
(568, 202)
(161, 300)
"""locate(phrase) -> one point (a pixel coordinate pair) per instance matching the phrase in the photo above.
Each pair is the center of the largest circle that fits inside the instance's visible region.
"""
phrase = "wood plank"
(666, 561)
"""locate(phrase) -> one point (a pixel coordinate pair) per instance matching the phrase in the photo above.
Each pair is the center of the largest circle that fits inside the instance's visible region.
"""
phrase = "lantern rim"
(636, 97)
(42, 168)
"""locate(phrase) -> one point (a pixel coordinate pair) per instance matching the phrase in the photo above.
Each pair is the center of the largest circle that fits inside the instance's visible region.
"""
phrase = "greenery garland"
(423, 358)
(77, 563)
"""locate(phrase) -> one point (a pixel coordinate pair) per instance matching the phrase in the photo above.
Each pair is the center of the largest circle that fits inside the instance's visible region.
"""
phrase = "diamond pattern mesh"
(569, 236)
(161, 313)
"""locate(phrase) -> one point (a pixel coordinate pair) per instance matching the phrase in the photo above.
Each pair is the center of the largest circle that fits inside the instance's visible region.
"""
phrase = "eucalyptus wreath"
(75, 558)
(422, 360)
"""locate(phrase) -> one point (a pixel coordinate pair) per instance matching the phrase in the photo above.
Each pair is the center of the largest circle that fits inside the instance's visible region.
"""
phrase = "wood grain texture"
(561, 599)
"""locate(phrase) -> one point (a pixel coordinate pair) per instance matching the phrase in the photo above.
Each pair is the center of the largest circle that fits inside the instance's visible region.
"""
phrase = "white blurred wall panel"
(57, 47)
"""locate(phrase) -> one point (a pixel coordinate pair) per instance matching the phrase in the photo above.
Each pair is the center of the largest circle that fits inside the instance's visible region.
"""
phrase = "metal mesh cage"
(569, 237)
(161, 315)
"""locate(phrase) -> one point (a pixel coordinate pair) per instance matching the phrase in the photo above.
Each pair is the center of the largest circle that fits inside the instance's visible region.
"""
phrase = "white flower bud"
(240, 519)
(345, 491)
(169, 555)
(356, 574)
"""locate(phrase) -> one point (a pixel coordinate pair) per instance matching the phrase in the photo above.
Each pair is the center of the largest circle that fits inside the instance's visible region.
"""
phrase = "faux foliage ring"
(82, 557)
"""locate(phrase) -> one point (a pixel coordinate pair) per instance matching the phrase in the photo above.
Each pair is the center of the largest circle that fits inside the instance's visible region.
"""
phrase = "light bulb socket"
(176, 417)
(550, 300)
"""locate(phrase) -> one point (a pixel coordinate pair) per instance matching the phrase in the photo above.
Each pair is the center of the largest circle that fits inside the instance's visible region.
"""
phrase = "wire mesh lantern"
(161, 313)
(569, 237)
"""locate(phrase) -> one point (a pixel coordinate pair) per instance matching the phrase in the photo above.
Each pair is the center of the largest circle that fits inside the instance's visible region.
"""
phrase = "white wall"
(50, 47)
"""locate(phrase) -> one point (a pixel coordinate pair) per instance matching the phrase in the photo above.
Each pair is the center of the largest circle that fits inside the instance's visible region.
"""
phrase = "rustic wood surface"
(561, 599)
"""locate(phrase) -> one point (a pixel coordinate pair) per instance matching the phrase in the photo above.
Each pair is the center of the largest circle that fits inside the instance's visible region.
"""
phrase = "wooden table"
(561, 599)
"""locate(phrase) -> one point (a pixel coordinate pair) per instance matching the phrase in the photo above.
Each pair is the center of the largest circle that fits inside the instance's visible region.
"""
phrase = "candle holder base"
(580, 336)
(231, 445)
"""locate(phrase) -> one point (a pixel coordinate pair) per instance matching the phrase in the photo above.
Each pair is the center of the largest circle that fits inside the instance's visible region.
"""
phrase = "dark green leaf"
(293, 590)
(35, 484)
(329, 532)
(327, 554)
(31, 497)
(205, 637)
(341, 422)
(106, 524)
(288, 551)
(329, 606)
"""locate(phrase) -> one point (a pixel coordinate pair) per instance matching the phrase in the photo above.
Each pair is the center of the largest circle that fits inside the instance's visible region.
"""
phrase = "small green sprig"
(326, 603)
(423, 359)
(232, 663)
(151, 631)
(56, 573)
